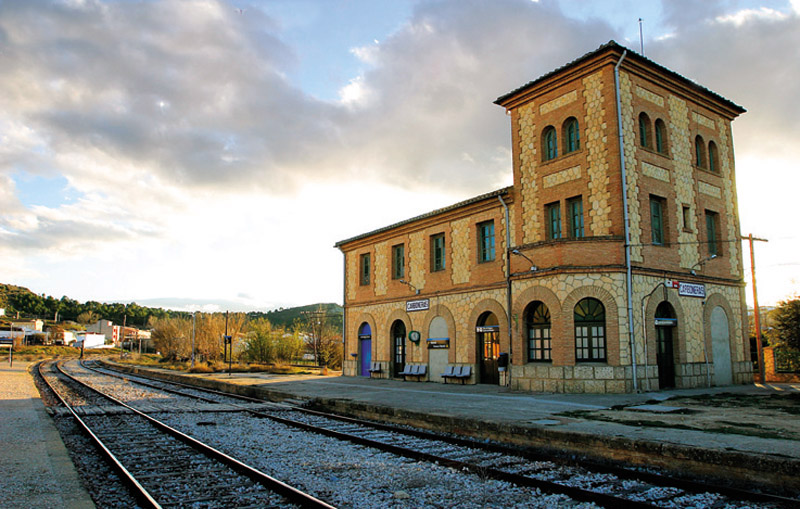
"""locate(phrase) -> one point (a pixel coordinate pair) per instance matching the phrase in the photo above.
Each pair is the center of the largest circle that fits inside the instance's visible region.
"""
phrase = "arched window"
(537, 324)
(644, 131)
(549, 143)
(661, 136)
(699, 152)
(713, 157)
(572, 136)
(590, 330)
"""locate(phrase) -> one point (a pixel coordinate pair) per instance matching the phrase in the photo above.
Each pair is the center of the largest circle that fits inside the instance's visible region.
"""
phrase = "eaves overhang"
(434, 213)
(510, 99)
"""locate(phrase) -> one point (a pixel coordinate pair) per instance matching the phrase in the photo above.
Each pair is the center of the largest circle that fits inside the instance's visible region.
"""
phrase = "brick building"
(541, 271)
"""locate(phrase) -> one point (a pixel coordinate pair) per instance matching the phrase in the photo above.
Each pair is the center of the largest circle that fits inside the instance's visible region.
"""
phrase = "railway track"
(166, 468)
(602, 485)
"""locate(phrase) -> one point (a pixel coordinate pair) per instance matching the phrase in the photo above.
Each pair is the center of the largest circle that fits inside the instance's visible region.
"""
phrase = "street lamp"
(416, 290)
(533, 265)
(701, 263)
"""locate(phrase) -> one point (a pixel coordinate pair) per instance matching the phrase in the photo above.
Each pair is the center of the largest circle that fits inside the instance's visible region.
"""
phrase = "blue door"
(366, 356)
(365, 348)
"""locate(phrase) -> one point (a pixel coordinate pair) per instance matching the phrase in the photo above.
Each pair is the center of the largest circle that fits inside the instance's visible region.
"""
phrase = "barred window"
(699, 152)
(572, 135)
(549, 143)
(398, 261)
(644, 131)
(661, 137)
(537, 320)
(365, 269)
(486, 241)
(553, 214)
(437, 252)
(575, 210)
(590, 330)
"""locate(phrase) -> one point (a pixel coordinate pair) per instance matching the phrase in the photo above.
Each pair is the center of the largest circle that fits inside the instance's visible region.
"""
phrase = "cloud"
(191, 91)
(750, 57)
(179, 132)
(149, 107)
(430, 87)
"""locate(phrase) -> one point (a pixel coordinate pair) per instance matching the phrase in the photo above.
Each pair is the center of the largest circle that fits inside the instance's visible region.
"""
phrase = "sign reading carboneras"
(418, 305)
(687, 289)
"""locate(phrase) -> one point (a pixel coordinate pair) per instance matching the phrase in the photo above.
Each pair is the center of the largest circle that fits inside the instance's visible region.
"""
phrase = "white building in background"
(90, 340)
(108, 329)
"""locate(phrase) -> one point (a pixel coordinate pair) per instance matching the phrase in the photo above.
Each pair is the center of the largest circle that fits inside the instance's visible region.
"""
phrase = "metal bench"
(375, 367)
(464, 374)
(458, 372)
(417, 370)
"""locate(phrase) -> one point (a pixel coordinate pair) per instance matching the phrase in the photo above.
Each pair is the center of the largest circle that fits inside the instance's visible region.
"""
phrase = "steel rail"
(292, 494)
(579, 494)
(137, 490)
(623, 473)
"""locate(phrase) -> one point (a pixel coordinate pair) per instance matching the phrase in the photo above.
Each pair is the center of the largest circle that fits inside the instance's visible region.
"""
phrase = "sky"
(208, 154)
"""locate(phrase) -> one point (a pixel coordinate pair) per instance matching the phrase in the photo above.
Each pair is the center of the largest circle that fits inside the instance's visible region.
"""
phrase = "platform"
(37, 470)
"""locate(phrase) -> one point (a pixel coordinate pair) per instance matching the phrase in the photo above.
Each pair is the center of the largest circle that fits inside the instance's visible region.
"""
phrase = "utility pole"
(229, 340)
(194, 314)
(757, 312)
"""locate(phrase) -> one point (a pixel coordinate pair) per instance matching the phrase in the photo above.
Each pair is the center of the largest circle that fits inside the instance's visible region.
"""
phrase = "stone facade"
(565, 219)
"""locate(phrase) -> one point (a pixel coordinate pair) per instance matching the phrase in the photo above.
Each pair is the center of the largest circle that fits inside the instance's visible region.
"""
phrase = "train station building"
(612, 264)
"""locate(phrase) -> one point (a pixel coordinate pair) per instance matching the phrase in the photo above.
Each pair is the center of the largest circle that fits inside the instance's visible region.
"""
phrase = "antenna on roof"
(641, 39)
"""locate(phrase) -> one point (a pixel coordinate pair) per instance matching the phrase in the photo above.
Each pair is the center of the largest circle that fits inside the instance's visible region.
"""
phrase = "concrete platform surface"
(36, 468)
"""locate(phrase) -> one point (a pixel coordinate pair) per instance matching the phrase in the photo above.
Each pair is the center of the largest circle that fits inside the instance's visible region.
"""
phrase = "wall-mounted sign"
(418, 305)
(414, 336)
(365, 336)
(487, 328)
(692, 290)
(687, 289)
(666, 322)
(434, 343)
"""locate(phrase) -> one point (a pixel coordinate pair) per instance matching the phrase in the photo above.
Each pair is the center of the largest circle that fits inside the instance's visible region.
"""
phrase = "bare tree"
(322, 337)
(172, 337)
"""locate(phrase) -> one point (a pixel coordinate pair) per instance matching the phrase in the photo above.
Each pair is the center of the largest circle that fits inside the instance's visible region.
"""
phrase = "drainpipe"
(344, 313)
(508, 288)
(628, 274)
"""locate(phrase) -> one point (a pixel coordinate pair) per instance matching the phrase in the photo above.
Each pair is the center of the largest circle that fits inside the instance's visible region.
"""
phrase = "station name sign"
(418, 305)
(687, 289)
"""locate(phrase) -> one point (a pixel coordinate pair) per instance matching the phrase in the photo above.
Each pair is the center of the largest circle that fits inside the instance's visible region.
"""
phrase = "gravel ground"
(347, 475)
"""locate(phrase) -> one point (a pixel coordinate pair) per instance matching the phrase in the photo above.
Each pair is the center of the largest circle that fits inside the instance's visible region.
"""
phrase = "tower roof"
(610, 48)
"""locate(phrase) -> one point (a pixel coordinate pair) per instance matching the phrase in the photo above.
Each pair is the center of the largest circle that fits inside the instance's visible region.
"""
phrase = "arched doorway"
(721, 347)
(488, 339)
(437, 357)
(398, 347)
(665, 322)
(364, 349)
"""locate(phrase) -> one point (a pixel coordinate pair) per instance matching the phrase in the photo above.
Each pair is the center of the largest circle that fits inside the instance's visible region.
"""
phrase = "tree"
(172, 336)
(787, 324)
(322, 336)
(88, 317)
(785, 335)
(267, 344)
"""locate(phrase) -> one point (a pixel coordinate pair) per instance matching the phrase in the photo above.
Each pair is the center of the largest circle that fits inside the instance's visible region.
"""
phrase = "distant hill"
(18, 299)
(286, 317)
